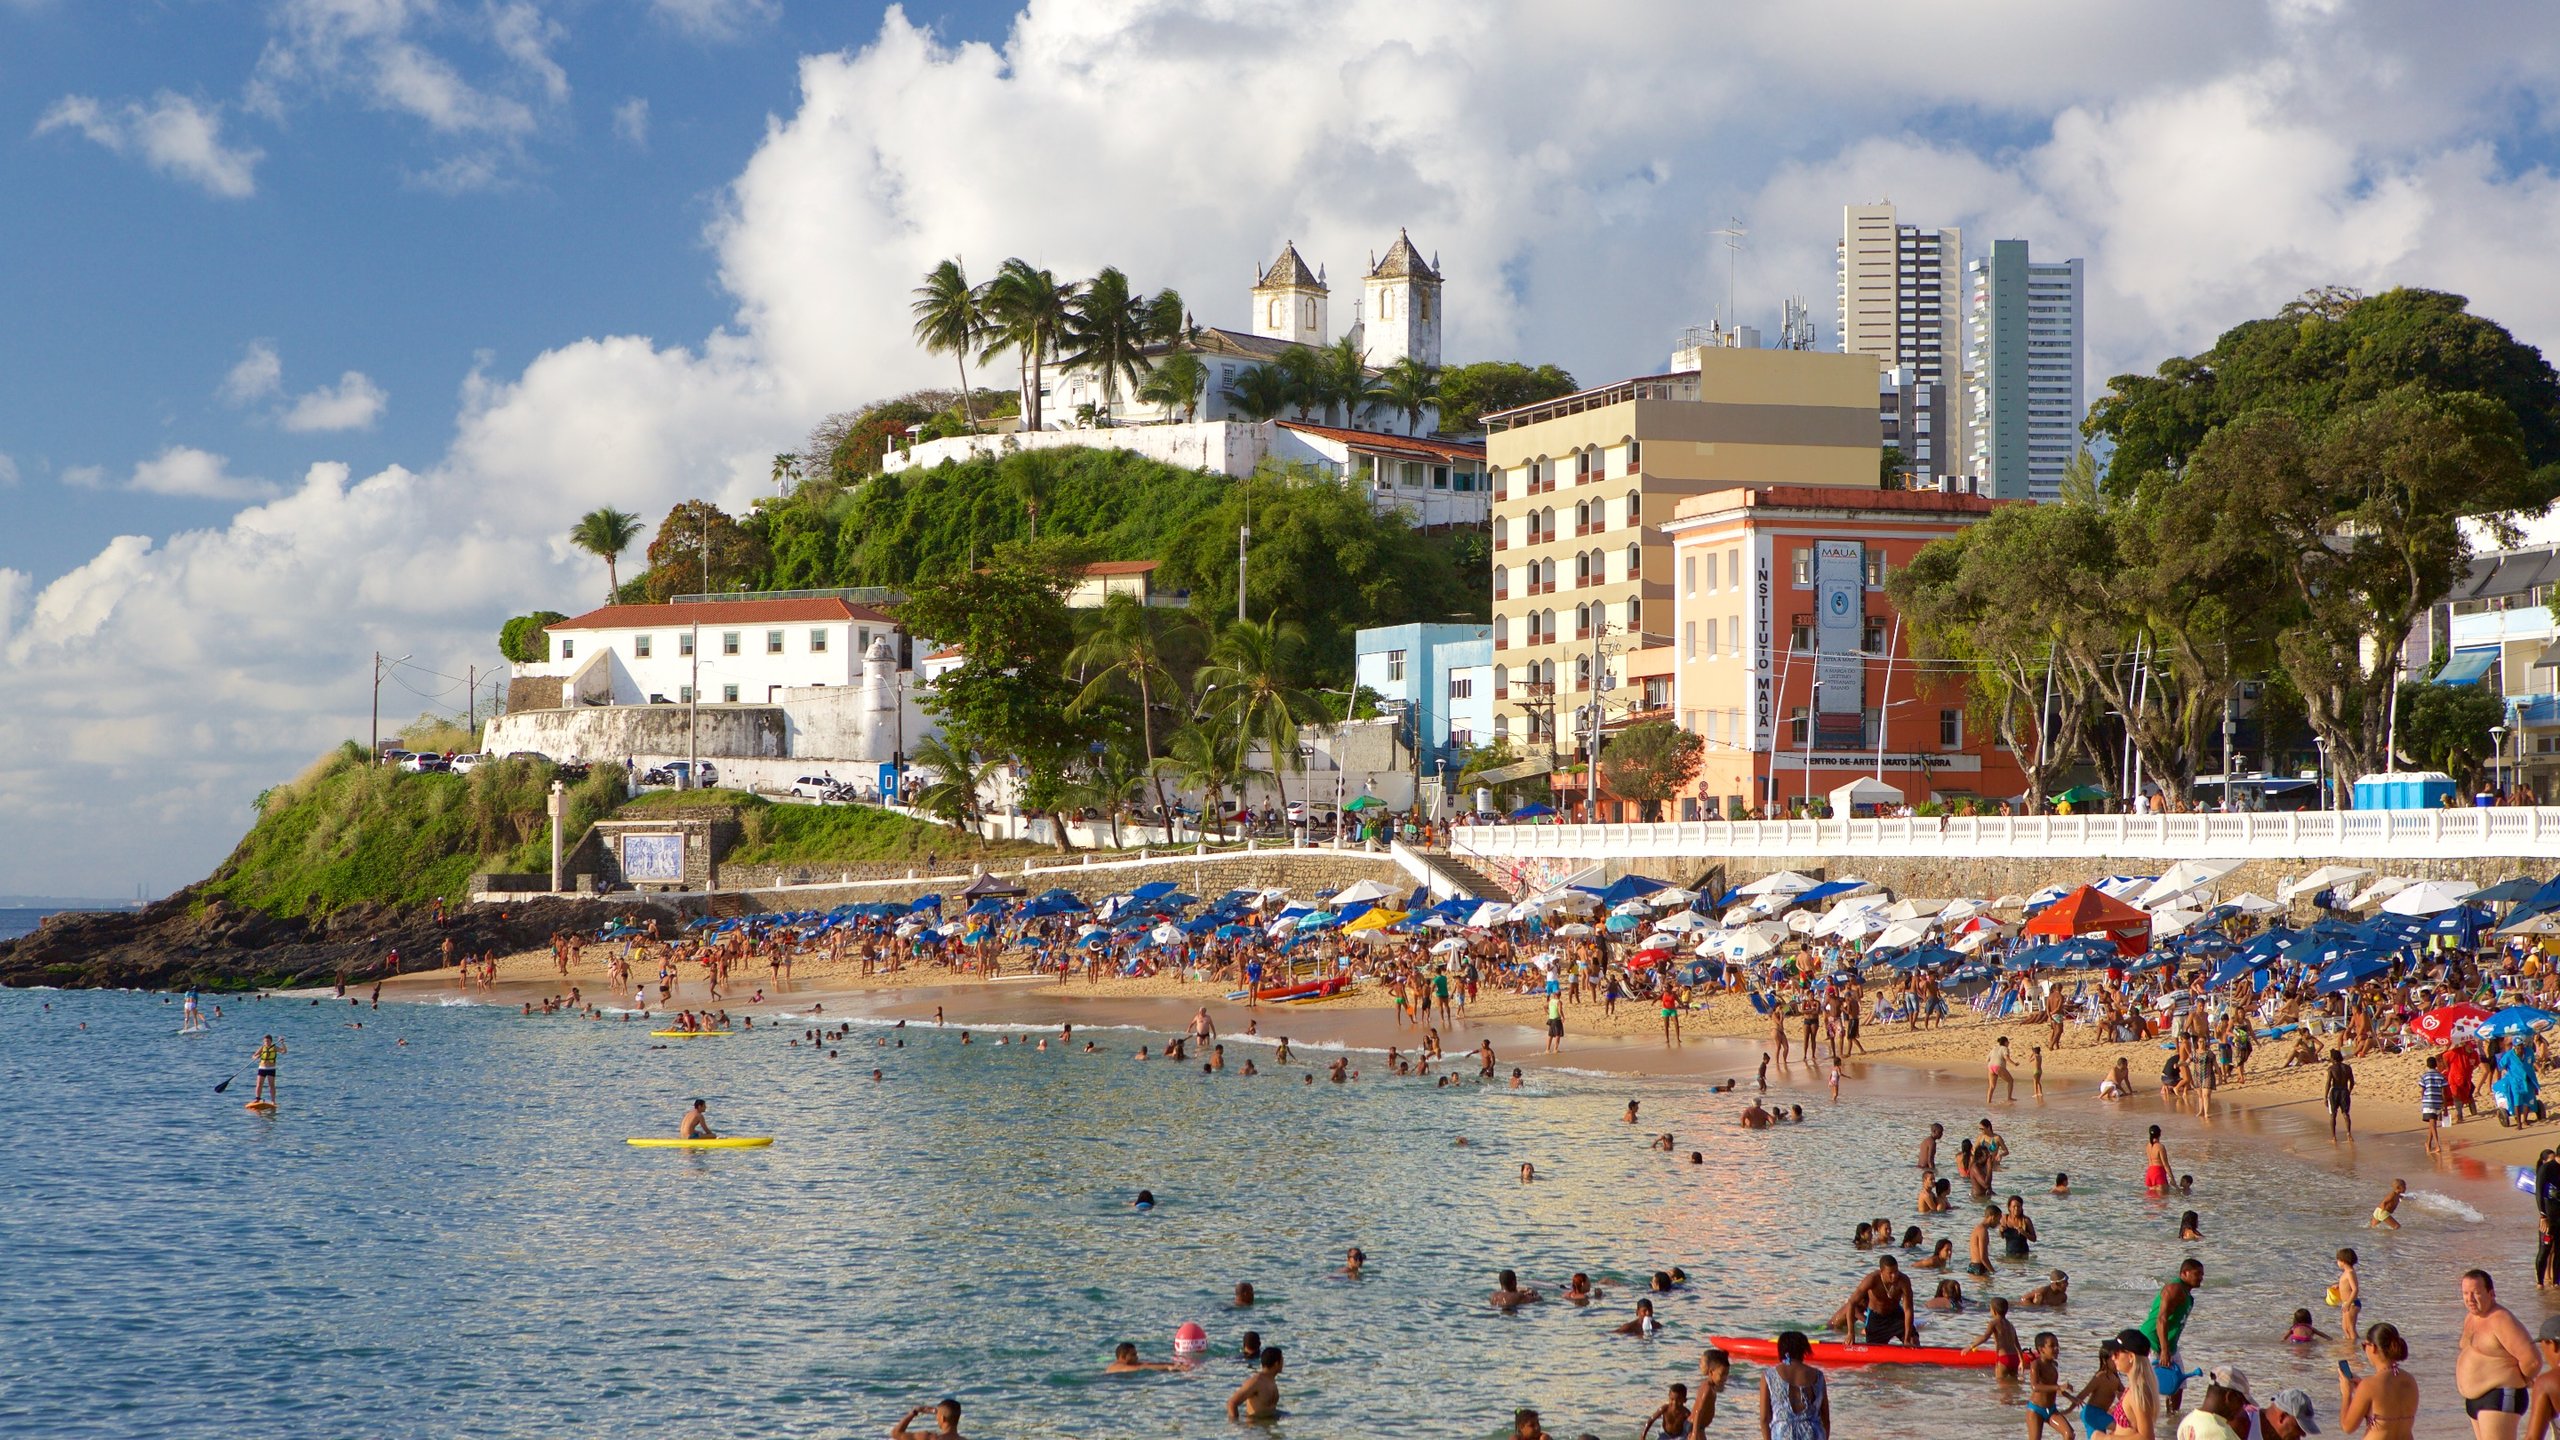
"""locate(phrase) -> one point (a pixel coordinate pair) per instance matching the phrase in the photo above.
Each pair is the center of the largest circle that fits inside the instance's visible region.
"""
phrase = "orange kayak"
(1764, 1350)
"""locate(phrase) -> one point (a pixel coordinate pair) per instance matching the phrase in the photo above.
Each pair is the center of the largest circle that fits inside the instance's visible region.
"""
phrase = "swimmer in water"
(2386, 1214)
(2061, 1184)
(1528, 1172)
(946, 1422)
(1631, 1111)
(1352, 1260)
(1507, 1294)
(1259, 1397)
(1124, 1361)
(1672, 1415)
(2054, 1293)
(1579, 1290)
(1244, 1295)
(1644, 1323)
(2190, 1226)
(1146, 1200)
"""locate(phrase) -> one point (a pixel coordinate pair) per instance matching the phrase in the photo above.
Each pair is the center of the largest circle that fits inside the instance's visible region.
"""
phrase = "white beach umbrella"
(2380, 890)
(1448, 947)
(2249, 902)
(2546, 923)
(2168, 922)
(2327, 877)
(2121, 887)
(1669, 896)
(2010, 902)
(1962, 910)
(1576, 930)
(1747, 944)
(1629, 907)
(1803, 921)
(1489, 914)
(2183, 878)
(1785, 882)
(1903, 933)
(2428, 897)
(2049, 893)
(1358, 891)
(1685, 920)
(1281, 926)
(1166, 935)
(1916, 909)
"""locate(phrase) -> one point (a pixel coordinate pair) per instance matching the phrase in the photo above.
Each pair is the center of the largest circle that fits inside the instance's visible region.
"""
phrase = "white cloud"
(259, 375)
(85, 477)
(173, 134)
(717, 19)
(189, 473)
(383, 53)
(2209, 160)
(354, 403)
(631, 122)
(8, 472)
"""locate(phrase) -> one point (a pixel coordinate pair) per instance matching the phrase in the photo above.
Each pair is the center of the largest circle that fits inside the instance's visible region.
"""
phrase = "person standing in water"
(2495, 1367)
(270, 1050)
(2167, 1321)
(2342, 1095)
(2155, 1167)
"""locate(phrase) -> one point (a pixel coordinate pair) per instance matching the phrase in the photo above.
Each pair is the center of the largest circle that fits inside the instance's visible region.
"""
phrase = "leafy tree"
(1650, 763)
(1259, 392)
(1009, 696)
(1175, 383)
(1134, 646)
(523, 640)
(945, 781)
(1322, 557)
(700, 549)
(2446, 727)
(1409, 387)
(1111, 782)
(605, 533)
(950, 316)
(1252, 683)
(1026, 310)
(786, 473)
(2313, 472)
(1107, 326)
(1468, 393)
(1207, 756)
(1894, 470)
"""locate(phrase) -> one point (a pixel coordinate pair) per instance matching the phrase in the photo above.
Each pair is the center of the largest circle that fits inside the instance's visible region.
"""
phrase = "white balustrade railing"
(2518, 831)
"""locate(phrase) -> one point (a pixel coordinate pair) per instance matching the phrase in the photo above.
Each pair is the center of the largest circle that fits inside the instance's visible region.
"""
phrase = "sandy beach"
(1720, 1038)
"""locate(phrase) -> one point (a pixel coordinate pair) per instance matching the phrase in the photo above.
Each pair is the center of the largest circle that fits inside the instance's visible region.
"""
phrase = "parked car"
(674, 773)
(394, 756)
(816, 787)
(422, 763)
(466, 763)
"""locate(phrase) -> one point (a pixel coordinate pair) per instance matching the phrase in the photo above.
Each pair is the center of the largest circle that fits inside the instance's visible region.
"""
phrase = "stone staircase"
(1472, 876)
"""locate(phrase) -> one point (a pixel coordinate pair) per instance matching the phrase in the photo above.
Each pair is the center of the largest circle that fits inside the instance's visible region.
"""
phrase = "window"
(1275, 314)
(1711, 573)
(568, 648)
(1804, 565)
(1874, 640)
(818, 641)
(1461, 686)
(1733, 637)
(1501, 632)
(1711, 639)
(1635, 615)
(1439, 477)
(684, 643)
(729, 694)
(1689, 640)
(728, 642)
(1689, 721)
(1635, 561)
(1689, 576)
(1875, 568)
(1635, 508)
(773, 642)
(862, 641)
(1635, 456)
(1395, 665)
(640, 647)
(1950, 729)
(1733, 569)
(684, 694)
(1801, 639)
(1796, 725)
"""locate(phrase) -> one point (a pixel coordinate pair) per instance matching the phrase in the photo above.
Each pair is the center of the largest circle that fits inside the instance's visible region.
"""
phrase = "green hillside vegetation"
(344, 832)
(852, 834)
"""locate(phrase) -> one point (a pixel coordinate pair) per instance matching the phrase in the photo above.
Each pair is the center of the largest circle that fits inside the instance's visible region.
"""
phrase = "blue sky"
(326, 318)
(134, 297)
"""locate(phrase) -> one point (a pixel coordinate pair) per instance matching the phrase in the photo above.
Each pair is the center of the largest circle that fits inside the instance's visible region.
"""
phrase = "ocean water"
(449, 1237)
(17, 922)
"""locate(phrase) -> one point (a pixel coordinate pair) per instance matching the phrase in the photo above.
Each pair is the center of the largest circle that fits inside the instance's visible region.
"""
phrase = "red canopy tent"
(2087, 911)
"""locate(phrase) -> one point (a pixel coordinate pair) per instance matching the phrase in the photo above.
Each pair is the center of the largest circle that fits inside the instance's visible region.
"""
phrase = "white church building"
(1437, 479)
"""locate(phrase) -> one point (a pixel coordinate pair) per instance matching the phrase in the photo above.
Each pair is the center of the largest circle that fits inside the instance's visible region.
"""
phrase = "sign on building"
(1839, 640)
(653, 859)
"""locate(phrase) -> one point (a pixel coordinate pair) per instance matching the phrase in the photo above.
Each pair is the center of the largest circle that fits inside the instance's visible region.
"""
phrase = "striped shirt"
(2431, 1093)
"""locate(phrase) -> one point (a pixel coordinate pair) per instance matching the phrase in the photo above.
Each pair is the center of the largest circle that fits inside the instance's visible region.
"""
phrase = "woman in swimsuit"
(2136, 1410)
(1795, 1401)
(2017, 1231)
(2386, 1401)
(2155, 1170)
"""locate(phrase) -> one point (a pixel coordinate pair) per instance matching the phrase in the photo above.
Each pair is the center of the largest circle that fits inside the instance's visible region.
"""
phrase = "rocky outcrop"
(186, 940)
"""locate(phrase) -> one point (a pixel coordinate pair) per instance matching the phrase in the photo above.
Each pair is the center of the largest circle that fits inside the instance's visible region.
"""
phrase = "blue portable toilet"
(2404, 790)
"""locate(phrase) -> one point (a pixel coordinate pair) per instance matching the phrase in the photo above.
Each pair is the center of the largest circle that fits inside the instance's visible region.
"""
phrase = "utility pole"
(693, 711)
(375, 757)
(1884, 702)
(1244, 535)
(471, 698)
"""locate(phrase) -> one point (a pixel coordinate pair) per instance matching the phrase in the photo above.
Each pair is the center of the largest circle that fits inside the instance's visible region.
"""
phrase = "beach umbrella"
(1489, 914)
(1669, 896)
(2327, 877)
(1361, 890)
(1532, 812)
(1645, 958)
(2165, 923)
(1572, 902)
(1630, 907)
(2449, 1023)
(2546, 923)
(2183, 878)
(1918, 909)
(1167, 935)
(1962, 910)
(1621, 924)
(2516, 1020)
(2232, 968)
(1784, 882)
(1234, 932)
(2427, 897)
(1363, 802)
(2351, 969)
(2379, 891)
(2250, 903)
(1898, 936)
(1574, 930)
(2080, 795)
(1683, 920)
(2522, 887)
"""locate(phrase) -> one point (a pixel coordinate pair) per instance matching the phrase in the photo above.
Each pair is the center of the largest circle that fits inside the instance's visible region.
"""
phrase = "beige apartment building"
(1582, 485)
(1902, 301)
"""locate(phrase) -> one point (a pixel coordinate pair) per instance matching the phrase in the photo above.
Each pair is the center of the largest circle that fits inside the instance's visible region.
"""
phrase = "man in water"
(1507, 1294)
(1124, 1361)
(2495, 1367)
(2167, 1320)
(696, 1126)
(270, 1050)
(1881, 1309)
(1929, 1147)
(1258, 1398)
(946, 1422)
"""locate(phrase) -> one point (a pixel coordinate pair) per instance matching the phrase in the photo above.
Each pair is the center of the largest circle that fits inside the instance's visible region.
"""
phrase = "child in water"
(2000, 1335)
(1672, 1415)
(2044, 1388)
(2386, 1214)
(2302, 1331)
(2347, 1294)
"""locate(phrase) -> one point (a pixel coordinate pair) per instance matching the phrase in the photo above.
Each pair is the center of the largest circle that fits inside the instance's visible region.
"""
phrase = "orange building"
(1788, 660)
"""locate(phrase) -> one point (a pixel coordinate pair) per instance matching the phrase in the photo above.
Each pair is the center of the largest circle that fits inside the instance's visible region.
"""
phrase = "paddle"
(225, 1085)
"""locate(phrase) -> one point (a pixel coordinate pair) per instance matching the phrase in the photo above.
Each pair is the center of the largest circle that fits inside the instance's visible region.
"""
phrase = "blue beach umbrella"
(2517, 1020)
(2350, 970)
(1532, 812)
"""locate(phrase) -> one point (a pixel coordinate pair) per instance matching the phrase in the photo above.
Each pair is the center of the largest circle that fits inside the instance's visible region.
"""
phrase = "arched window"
(1635, 614)
(1275, 314)
(1581, 672)
(1581, 571)
(1501, 636)
(1635, 508)
(1581, 620)
(1582, 517)
(1501, 674)
(1501, 582)
(1635, 560)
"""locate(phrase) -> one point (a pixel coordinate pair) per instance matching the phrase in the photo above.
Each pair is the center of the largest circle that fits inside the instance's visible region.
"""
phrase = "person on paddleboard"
(270, 1050)
(696, 1126)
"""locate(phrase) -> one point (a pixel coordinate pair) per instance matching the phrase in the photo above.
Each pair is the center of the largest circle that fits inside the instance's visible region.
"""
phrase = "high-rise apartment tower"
(2023, 404)
(1902, 301)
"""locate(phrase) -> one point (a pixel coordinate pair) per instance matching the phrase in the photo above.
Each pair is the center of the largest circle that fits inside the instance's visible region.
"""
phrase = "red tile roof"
(1416, 446)
(722, 612)
(1120, 567)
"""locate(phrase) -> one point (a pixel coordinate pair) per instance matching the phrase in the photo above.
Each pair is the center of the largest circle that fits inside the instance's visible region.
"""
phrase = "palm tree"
(1113, 780)
(1176, 382)
(1169, 320)
(1310, 380)
(606, 532)
(1026, 310)
(1033, 474)
(1205, 757)
(951, 796)
(1410, 387)
(1109, 326)
(1131, 644)
(951, 316)
(1347, 381)
(1250, 682)
(1259, 392)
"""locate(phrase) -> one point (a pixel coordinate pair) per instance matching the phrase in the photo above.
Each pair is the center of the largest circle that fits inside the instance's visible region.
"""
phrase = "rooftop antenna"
(1732, 233)
(1795, 329)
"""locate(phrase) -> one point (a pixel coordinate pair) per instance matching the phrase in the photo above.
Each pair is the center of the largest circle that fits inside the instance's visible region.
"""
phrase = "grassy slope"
(343, 832)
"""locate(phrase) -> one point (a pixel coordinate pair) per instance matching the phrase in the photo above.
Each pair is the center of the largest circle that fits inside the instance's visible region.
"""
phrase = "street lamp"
(2498, 759)
(2325, 797)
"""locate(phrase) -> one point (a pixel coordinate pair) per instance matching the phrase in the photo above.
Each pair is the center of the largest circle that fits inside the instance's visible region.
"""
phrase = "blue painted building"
(1442, 674)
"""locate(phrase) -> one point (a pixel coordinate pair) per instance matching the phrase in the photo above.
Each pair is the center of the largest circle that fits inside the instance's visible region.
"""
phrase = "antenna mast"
(1732, 233)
